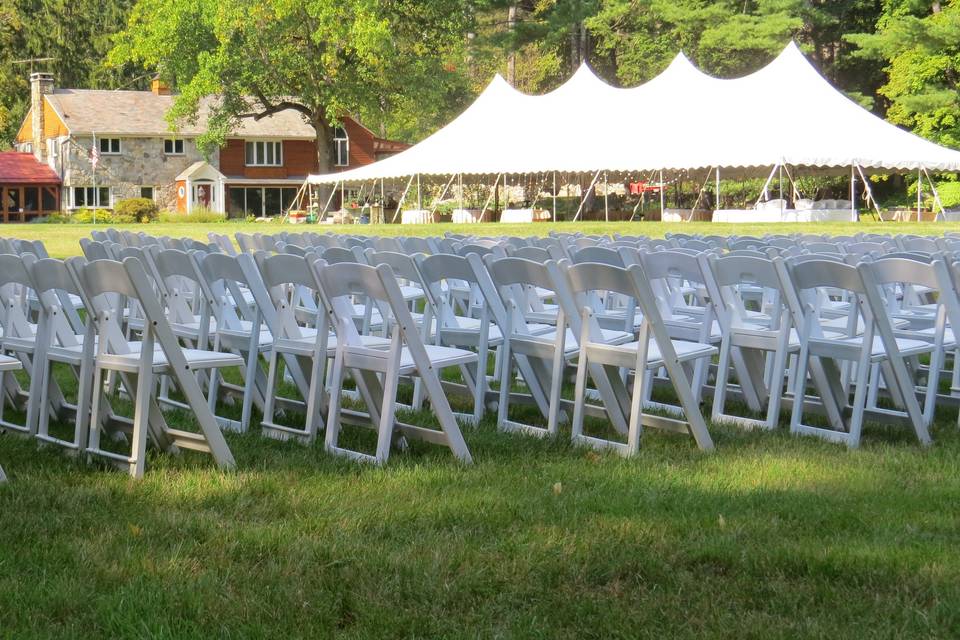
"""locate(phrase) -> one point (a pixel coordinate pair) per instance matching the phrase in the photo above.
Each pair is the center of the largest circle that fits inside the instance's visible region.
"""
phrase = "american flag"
(94, 153)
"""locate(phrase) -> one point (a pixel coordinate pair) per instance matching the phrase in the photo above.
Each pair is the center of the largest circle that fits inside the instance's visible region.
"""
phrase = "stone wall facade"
(141, 163)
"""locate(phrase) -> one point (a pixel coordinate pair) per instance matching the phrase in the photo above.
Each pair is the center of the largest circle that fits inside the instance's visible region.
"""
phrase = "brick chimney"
(159, 87)
(41, 84)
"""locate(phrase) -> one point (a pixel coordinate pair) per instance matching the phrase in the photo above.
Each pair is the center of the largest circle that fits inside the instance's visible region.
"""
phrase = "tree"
(322, 58)
(920, 43)
(76, 33)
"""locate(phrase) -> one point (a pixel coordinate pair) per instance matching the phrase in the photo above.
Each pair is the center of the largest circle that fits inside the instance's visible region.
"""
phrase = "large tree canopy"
(324, 59)
(920, 42)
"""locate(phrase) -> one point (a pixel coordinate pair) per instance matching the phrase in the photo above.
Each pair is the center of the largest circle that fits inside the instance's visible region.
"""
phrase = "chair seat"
(9, 364)
(848, 348)
(304, 346)
(625, 354)
(376, 358)
(196, 359)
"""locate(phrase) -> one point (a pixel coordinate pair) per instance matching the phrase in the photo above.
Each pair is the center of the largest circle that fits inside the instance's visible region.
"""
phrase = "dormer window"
(264, 153)
(109, 146)
(341, 147)
(173, 146)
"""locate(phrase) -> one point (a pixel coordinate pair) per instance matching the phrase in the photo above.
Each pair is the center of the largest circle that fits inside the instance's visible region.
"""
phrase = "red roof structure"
(24, 168)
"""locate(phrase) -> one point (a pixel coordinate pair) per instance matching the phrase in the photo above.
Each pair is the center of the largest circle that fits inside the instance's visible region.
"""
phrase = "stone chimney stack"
(159, 87)
(41, 84)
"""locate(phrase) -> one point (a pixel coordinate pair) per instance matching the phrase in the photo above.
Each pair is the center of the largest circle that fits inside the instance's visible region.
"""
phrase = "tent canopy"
(785, 113)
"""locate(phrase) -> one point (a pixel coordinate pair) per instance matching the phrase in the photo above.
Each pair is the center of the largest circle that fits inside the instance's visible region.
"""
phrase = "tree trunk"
(324, 150)
(512, 58)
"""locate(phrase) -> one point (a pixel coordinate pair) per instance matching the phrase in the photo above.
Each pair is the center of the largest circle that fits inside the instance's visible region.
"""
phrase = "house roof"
(143, 113)
(24, 168)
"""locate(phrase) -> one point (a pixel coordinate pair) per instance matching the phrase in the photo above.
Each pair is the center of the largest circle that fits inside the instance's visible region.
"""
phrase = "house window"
(146, 192)
(341, 147)
(90, 197)
(264, 153)
(173, 146)
(110, 146)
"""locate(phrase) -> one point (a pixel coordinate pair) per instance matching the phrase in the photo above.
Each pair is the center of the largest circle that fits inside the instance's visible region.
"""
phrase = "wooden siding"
(361, 145)
(298, 160)
(53, 126)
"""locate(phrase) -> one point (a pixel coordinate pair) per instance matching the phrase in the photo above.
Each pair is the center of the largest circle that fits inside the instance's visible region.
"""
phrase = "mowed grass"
(61, 240)
(770, 536)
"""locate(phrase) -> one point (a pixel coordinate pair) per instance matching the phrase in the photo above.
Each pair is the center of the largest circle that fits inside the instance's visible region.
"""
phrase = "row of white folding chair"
(103, 347)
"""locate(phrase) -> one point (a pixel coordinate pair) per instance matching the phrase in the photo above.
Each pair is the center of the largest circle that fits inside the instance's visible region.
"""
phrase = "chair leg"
(269, 398)
(503, 405)
(579, 395)
(720, 387)
(387, 418)
(333, 412)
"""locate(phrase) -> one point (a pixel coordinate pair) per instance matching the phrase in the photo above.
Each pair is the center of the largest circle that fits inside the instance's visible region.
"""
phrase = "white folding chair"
(7, 365)
(653, 350)
(376, 370)
(876, 345)
(139, 366)
(755, 336)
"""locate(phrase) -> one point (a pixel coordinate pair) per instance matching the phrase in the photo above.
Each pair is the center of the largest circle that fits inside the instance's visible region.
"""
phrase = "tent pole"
(333, 192)
(780, 191)
(853, 194)
(402, 198)
(716, 204)
(793, 185)
(419, 195)
(343, 205)
(919, 193)
(383, 201)
(936, 198)
(493, 190)
(460, 184)
(554, 196)
(662, 196)
(696, 202)
(436, 201)
(869, 192)
(766, 184)
(583, 200)
(606, 200)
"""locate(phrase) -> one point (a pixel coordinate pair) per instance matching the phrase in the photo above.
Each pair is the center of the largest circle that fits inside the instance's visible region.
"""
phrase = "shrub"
(949, 193)
(57, 217)
(86, 216)
(198, 215)
(133, 210)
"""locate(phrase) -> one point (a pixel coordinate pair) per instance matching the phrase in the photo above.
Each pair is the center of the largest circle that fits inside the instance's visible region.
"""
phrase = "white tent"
(783, 114)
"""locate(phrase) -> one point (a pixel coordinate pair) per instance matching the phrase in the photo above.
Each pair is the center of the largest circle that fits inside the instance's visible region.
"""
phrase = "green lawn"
(61, 240)
(768, 537)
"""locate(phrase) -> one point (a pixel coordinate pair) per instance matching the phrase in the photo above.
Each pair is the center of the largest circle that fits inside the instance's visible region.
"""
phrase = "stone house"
(257, 172)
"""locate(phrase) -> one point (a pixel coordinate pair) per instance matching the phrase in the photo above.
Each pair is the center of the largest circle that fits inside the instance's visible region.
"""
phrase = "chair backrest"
(601, 255)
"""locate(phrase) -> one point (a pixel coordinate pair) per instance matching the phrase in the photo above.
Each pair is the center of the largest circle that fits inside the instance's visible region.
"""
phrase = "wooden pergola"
(29, 188)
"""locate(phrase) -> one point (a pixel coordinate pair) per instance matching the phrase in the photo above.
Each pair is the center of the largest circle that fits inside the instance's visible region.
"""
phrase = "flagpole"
(96, 158)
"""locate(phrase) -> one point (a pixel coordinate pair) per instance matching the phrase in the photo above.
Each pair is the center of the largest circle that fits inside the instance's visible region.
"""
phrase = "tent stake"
(583, 200)
(936, 198)
(402, 198)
